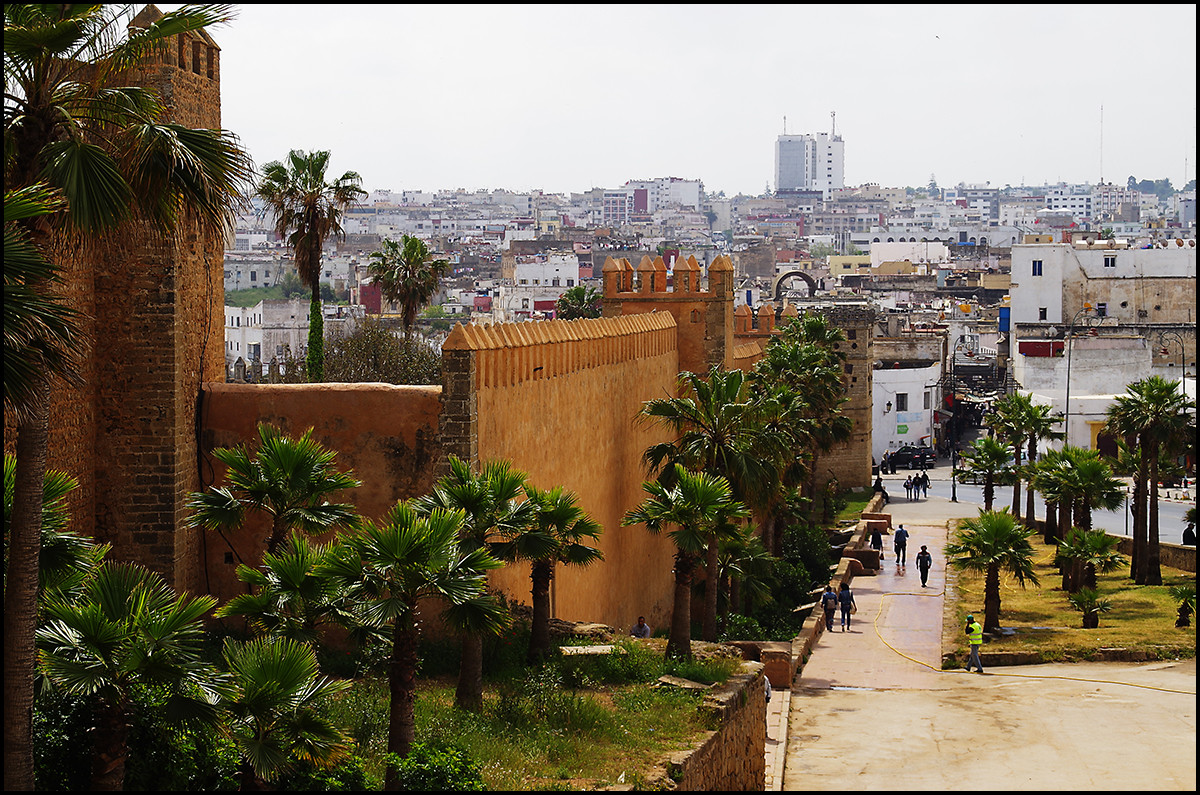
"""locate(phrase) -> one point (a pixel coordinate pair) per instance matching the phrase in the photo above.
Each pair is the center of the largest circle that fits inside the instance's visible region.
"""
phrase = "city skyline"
(567, 98)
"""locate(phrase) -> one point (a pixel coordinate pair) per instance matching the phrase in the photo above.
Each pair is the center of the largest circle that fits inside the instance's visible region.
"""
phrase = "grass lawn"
(585, 723)
(1142, 617)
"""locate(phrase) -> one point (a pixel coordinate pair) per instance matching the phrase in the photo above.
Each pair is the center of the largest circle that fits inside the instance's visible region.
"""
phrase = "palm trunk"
(1050, 531)
(316, 336)
(1064, 519)
(110, 748)
(679, 644)
(21, 591)
(1029, 507)
(1016, 503)
(541, 572)
(250, 780)
(725, 587)
(469, 693)
(735, 595)
(402, 689)
(1140, 502)
(991, 600)
(989, 492)
(1153, 568)
(712, 566)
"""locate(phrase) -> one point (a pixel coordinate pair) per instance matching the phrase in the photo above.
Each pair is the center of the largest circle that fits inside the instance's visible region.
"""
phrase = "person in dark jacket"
(846, 600)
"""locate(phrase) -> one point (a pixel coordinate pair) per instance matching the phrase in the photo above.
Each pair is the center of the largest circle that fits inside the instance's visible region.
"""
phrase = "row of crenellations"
(511, 353)
(652, 275)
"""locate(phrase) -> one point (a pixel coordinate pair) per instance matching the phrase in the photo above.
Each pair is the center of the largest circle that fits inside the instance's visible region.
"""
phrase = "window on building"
(1041, 313)
(901, 401)
(1102, 310)
(1110, 261)
(1037, 267)
(570, 282)
(851, 334)
(253, 276)
(926, 398)
(524, 303)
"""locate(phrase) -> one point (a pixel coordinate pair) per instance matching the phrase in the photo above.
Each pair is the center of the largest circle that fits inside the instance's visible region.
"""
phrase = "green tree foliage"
(274, 700)
(372, 352)
(989, 460)
(308, 210)
(408, 275)
(289, 480)
(580, 301)
(124, 628)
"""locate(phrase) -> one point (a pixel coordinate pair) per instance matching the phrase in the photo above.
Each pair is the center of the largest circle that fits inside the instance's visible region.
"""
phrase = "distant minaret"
(785, 125)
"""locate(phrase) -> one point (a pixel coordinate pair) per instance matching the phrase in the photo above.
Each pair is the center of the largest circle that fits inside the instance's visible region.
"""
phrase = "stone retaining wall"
(730, 756)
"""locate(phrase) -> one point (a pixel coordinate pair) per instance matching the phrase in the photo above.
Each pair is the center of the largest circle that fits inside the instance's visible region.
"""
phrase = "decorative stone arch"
(777, 288)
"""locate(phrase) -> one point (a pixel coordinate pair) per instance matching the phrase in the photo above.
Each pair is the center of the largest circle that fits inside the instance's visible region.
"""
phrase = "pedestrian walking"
(829, 603)
(924, 564)
(877, 540)
(883, 463)
(908, 488)
(975, 638)
(846, 600)
(901, 542)
(892, 464)
(925, 485)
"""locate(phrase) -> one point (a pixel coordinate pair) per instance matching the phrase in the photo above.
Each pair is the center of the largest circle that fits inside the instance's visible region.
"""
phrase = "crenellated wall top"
(530, 333)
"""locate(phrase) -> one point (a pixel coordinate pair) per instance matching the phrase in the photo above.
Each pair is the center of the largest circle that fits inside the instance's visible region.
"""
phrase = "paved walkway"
(872, 709)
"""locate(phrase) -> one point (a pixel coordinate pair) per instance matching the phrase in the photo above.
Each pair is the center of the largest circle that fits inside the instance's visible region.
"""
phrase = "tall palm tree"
(1151, 416)
(126, 627)
(1013, 421)
(494, 504)
(1048, 478)
(72, 122)
(390, 568)
(287, 479)
(991, 543)
(717, 431)
(308, 210)
(990, 460)
(1040, 422)
(273, 698)
(557, 533)
(407, 274)
(1089, 485)
(693, 505)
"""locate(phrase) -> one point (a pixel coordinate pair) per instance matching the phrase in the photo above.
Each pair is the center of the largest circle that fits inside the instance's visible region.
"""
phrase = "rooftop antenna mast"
(785, 125)
(833, 124)
(1101, 144)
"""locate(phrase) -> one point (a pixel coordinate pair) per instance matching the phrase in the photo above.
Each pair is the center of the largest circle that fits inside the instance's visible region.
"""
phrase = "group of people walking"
(917, 486)
(831, 601)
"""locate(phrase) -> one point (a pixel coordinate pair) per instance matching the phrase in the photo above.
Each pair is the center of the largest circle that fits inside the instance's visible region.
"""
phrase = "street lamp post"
(1174, 338)
(1087, 308)
(955, 420)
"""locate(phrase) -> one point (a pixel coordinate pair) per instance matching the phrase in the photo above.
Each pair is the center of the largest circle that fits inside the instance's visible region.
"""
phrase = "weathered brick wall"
(730, 758)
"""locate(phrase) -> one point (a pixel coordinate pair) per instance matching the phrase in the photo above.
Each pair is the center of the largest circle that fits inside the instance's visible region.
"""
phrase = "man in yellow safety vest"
(975, 638)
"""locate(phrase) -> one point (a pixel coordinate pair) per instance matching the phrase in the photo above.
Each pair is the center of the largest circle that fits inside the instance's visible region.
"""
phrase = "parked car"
(913, 457)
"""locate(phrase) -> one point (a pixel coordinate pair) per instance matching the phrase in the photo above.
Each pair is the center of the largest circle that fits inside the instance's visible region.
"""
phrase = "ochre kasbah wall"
(559, 400)
(387, 435)
(153, 305)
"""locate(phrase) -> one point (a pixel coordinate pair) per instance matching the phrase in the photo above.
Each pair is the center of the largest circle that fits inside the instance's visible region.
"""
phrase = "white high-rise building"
(810, 163)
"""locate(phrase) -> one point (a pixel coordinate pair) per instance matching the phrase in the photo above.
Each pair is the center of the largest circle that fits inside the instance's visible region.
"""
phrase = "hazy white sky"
(569, 97)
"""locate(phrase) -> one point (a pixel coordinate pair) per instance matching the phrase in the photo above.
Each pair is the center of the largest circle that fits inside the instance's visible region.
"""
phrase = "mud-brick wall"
(731, 757)
(559, 399)
(851, 461)
(385, 434)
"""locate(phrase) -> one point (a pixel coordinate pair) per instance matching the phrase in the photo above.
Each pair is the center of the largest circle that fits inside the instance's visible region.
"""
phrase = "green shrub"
(62, 748)
(432, 769)
(628, 662)
(349, 775)
(739, 627)
(708, 671)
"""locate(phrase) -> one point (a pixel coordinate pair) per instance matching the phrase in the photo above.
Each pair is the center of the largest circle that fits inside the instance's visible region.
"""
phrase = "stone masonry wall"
(730, 758)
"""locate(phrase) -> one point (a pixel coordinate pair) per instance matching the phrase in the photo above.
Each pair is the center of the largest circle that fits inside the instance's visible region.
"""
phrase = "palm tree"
(990, 460)
(126, 627)
(557, 533)
(1085, 553)
(1048, 477)
(494, 506)
(1089, 484)
(307, 211)
(287, 479)
(1040, 425)
(991, 543)
(717, 431)
(390, 568)
(408, 275)
(1088, 602)
(1152, 416)
(1014, 421)
(274, 703)
(293, 597)
(71, 122)
(693, 505)
(580, 301)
